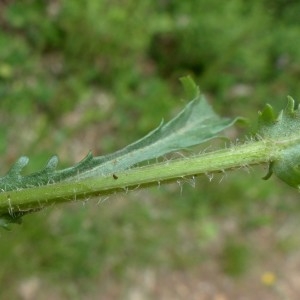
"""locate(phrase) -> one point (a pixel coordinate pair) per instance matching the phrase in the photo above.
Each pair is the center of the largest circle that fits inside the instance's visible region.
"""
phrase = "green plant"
(276, 143)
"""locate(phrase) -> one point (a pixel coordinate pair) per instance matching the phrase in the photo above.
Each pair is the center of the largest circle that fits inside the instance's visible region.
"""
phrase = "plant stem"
(251, 153)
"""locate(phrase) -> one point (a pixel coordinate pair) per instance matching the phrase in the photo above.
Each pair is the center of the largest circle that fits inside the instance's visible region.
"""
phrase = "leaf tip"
(289, 109)
(191, 88)
(52, 163)
(19, 165)
(266, 116)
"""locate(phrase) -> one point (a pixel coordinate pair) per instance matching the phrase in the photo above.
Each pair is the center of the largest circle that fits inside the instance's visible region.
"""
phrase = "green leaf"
(283, 129)
(195, 124)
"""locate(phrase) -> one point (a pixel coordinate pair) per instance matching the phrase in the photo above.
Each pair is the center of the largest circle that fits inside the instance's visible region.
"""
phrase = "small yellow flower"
(268, 278)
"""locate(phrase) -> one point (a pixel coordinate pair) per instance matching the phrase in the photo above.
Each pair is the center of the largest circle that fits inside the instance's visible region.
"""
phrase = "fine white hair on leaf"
(205, 150)
(246, 168)
(10, 208)
(50, 181)
(75, 196)
(126, 190)
(177, 154)
(180, 186)
(85, 201)
(250, 138)
(135, 188)
(259, 137)
(210, 176)
(224, 175)
(102, 200)
(158, 184)
(189, 180)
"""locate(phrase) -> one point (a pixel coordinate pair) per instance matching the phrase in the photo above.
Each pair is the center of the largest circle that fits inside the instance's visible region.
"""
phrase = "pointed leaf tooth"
(289, 109)
(280, 116)
(266, 116)
(52, 163)
(191, 89)
(85, 162)
(18, 165)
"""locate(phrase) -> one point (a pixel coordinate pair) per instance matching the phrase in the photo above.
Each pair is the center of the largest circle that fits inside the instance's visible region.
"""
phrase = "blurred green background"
(96, 75)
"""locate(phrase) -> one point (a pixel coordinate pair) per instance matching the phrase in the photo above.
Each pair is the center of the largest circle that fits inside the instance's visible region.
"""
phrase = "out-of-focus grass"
(96, 75)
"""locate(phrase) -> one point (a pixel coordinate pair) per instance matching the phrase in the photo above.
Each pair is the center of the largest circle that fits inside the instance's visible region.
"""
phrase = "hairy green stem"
(30, 199)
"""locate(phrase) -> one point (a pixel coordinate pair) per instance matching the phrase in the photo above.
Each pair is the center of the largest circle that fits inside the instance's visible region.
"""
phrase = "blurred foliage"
(235, 258)
(79, 75)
